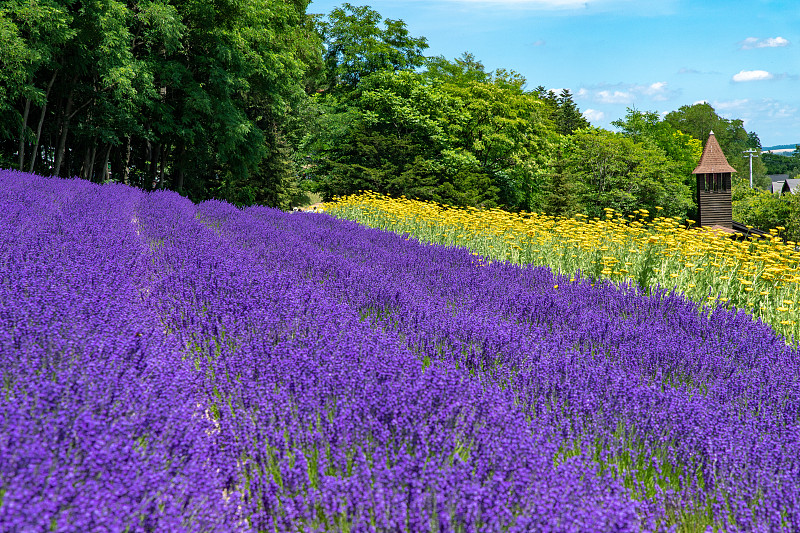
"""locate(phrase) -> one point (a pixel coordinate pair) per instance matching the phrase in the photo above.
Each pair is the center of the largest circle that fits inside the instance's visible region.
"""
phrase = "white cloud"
(770, 42)
(627, 93)
(657, 91)
(540, 42)
(613, 97)
(752, 75)
(749, 109)
(731, 105)
(762, 110)
(594, 6)
(540, 4)
(593, 115)
(773, 42)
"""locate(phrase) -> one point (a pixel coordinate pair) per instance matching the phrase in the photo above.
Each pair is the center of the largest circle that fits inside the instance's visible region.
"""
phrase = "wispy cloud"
(732, 105)
(542, 4)
(764, 110)
(626, 93)
(568, 5)
(752, 75)
(593, 115)
(686, 70)
(646, 8)
(770, 42)
(540, 42)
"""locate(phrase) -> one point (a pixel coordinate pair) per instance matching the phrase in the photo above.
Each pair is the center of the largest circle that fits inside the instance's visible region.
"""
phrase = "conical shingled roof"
(713, 160)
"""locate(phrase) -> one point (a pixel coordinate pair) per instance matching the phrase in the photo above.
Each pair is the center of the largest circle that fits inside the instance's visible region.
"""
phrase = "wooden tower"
(714, 207)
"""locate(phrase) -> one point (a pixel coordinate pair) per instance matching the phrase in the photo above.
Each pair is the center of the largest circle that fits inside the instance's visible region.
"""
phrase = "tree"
(766, 211)
(185, 94)
(397, 143)
(563, 110)
(624, 175)
(508, 133)
(438, 136)
(562, 191)
(782, 164)
(356, 46)
(460, 72)
(647, 127)
(32, 33)
(699, 120)
(568, 117)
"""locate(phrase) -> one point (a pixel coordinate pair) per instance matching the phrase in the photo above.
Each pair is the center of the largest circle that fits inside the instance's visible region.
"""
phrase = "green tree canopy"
(766, 211)
(614, 171)
(158, 93)
(465, 142)
(700, 119)
(356, 45)
(563, 110)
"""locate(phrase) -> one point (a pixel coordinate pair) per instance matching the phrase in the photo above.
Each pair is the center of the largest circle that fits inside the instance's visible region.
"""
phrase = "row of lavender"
(99, 422)
(158, 376)
(176, 367)
(696, 412)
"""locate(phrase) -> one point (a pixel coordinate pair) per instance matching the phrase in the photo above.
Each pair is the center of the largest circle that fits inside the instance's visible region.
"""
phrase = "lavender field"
(176, 367)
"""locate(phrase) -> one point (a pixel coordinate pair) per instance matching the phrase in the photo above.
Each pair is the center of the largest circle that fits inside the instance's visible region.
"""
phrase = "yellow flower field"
(760, 276)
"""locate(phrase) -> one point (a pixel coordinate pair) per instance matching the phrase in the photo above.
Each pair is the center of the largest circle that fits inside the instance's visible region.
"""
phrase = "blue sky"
(741, 56)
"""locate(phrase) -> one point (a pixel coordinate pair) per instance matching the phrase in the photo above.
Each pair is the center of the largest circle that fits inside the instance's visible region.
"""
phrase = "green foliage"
(441, 137)
(616, 172)
(357, 46)
(563, 111)
(765, 211)
(247, 100)
(462, 71)
(397, 142)
(781, 164)
(648, 128)
(561, 190)
(699, 120)
(166, 93)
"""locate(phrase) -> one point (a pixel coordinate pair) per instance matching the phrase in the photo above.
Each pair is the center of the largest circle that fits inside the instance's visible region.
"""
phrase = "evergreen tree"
(562, 191)
(568, 117)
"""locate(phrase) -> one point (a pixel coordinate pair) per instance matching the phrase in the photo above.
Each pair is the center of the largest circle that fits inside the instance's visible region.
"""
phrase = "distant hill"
(788, 148)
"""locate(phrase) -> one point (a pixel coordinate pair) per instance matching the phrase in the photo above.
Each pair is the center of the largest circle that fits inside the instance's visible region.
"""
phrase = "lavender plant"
(170, 366)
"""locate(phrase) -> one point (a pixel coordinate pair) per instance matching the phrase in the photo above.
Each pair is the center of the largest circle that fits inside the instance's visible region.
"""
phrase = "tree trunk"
(165, 152)
(154, 161)
(62, 142)
(148, 162)
(127, 171)
(25, 114)
(104, 173)
(178, 181)
(92, 160)
(85, 166)
(41, 121)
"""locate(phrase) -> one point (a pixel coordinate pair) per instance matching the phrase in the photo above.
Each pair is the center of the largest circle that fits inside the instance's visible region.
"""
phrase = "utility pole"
(750, 153)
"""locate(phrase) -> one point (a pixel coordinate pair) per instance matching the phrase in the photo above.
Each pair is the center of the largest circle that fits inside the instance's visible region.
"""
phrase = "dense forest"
(783, 164)
(259, 101)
